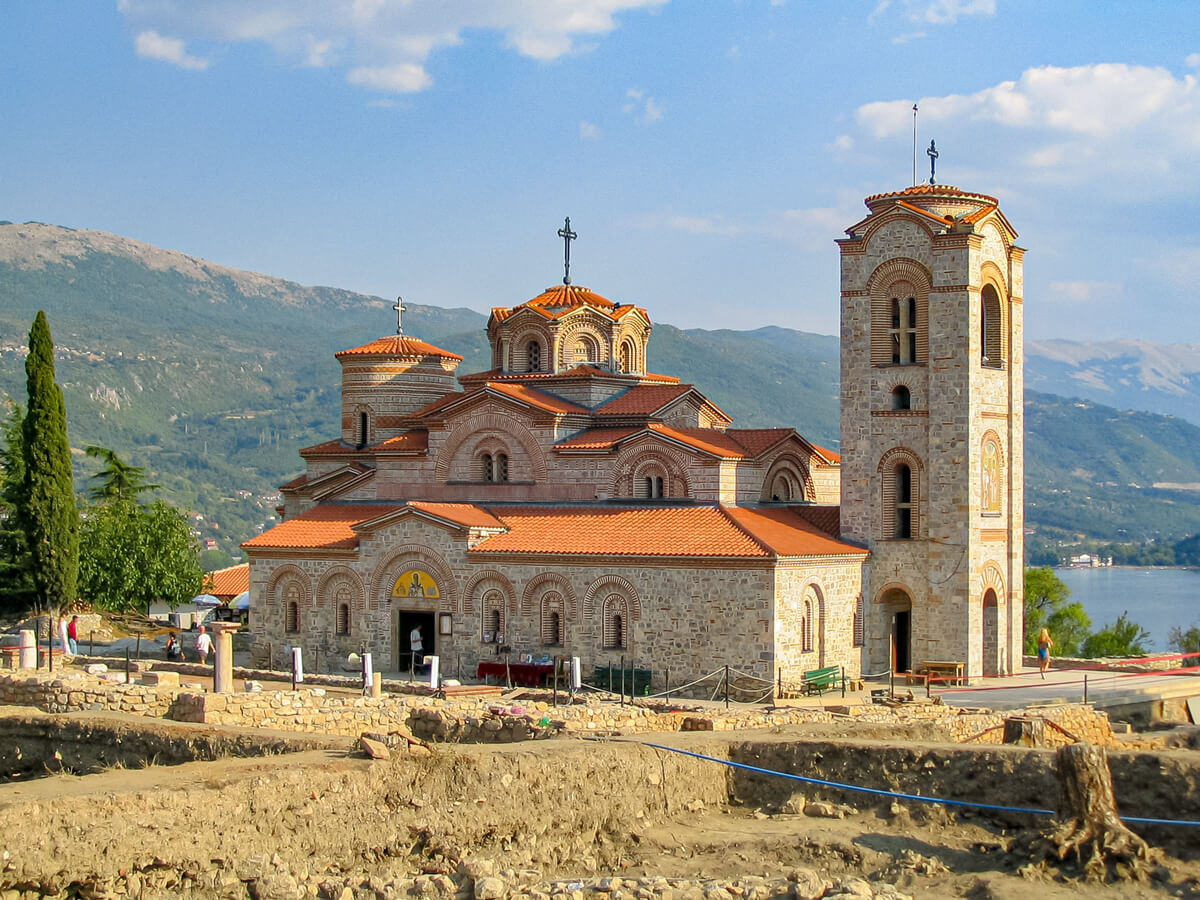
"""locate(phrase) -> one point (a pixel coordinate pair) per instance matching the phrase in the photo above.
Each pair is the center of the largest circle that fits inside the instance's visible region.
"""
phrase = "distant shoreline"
(1123, 568)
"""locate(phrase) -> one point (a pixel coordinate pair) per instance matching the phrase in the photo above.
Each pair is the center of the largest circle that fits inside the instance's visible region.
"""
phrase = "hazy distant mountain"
(1129, 374)
(213, 378)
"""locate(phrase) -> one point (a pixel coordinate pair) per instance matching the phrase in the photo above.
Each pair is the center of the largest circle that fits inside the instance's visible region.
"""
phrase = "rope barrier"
(941, 801)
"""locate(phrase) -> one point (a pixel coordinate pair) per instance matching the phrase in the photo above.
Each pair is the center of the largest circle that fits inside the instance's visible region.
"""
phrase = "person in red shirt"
(73, 635)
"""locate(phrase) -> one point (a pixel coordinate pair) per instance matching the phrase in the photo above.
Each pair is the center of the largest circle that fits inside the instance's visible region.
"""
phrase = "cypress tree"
(50, 516)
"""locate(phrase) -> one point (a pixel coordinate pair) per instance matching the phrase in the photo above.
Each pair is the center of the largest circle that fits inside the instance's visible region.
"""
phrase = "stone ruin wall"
(312, 711)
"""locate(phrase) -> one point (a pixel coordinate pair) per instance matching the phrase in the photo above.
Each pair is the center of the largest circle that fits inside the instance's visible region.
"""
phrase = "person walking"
(416, 646)
(203, 645)
(73, 635)
(63, 639)
(1044, 645)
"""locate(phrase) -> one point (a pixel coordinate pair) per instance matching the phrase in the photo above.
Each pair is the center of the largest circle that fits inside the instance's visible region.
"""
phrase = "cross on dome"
(400, 309)
(567, 235)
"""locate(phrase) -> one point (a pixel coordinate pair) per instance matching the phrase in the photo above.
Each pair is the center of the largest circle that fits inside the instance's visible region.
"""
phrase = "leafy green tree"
(1122, 638)
(132, 555)
(1048, 605)
(17, 591)
(1185, 640)
(118, 480)
(48, 512)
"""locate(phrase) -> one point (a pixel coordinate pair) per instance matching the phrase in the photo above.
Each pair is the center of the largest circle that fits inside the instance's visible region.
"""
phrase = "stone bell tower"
(933, 428)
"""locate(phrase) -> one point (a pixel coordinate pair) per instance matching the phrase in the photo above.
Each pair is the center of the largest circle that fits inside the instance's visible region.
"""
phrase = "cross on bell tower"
(933, 156)
(567, 235)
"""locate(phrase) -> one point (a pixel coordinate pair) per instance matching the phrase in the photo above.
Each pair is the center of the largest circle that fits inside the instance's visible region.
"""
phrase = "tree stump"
(1025, 731)
(1090, 826)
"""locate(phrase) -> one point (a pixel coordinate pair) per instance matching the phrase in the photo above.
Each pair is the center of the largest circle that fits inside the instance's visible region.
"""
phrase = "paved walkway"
(1104, 689)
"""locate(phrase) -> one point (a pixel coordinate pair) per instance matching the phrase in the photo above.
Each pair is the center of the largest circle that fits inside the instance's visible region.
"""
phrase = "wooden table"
(527, 674)
(950, 669)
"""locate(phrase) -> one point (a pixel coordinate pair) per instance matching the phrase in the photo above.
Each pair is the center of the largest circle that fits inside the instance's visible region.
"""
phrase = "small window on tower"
(534, 357)
(363, 429)
(901, 398)
(903, 529)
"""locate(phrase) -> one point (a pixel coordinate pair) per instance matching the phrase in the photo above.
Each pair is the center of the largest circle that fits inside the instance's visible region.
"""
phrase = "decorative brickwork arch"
(520, 359)
(993, 317)
(469, 432)
(289, 574)
(336, 576)
(634, 460)
(547, 581)
(610, 584)
(630, 355)
(482, 582)
(790, 471)
(991, 576)
(891, 286)
(900, 475)
(891, 379)
(815, 640)
(388, 569)
(362, 425)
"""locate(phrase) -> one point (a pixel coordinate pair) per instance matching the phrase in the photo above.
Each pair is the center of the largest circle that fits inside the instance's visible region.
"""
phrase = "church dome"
(398, 345)
(943, 200)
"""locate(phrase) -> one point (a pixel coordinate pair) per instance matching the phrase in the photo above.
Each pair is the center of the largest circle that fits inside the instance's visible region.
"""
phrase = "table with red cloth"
(527, 674)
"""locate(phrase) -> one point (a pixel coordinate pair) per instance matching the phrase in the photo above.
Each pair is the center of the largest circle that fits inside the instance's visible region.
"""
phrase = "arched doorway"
(896, 606)
(991, 633)
(415, 595)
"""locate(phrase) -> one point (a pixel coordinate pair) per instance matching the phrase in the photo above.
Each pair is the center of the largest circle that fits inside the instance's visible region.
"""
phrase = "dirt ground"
(562, 810)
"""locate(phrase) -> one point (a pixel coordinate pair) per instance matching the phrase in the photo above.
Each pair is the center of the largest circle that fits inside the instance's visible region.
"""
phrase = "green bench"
(818, 681)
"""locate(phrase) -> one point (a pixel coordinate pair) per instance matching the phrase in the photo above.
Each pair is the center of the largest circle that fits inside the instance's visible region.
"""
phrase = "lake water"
(1155, 598)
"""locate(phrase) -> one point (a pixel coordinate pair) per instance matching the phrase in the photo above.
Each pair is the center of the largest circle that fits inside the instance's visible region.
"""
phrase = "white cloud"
(1096, 100)
(384, 44)
(152, 45)
(1193, 60)
(878, 11)
(405, 78)
(645, 108)
(843, 143)
(588, 131)
(909, 36)
(1083, 291)
(947, 12)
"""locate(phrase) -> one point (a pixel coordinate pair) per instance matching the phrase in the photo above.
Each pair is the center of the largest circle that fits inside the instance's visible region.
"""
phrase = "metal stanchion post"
(622, 680)
(727, 687)
(1085, 687)
(128, 669)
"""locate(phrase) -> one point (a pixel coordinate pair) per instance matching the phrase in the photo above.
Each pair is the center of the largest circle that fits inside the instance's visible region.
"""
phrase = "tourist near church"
(572, 501)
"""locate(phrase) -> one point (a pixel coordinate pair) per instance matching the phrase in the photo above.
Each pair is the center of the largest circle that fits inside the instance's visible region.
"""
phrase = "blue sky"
(708, 153)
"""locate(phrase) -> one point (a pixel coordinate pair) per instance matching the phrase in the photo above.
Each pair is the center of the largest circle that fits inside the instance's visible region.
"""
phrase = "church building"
(570, 502)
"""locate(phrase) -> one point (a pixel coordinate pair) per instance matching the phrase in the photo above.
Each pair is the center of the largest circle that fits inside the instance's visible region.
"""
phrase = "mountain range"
(213, 378)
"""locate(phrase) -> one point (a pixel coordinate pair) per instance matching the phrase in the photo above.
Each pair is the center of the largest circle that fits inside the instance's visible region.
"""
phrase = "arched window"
(900, 480)
(615, 615)
(364, 423)
(903, 504)
(859, 626)
(500, 467)
(806, 627)
(487, 467)
(650, 483)
(991, 324)
(343, 610)
(903, 332)
(781, 488)
(552, 632)
(493, 617)
(628, 356)
(533, 357)
(901, 398)
(584, 349)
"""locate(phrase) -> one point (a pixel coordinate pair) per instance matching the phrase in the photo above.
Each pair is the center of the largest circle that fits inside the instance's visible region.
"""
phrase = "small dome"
(398, 345)
(567, 296)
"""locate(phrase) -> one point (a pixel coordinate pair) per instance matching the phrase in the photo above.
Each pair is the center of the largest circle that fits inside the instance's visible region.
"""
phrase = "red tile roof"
(598, 438)
(638, 531)
(936, 190)
(581, 371)
(325, 527)
(297, 482)
(465, 514)
(759, 440)
(228, 582)
(520, 392)
(944, 220)
(643, 399)
(334, 447)
(827, 518)
(398, 345)
(785, 533)
(707, 439)
(410, 440)
(830, 455)
(562, 299)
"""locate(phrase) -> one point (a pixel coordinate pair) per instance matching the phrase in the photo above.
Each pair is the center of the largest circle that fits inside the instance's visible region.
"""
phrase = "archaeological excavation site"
(146, 782)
